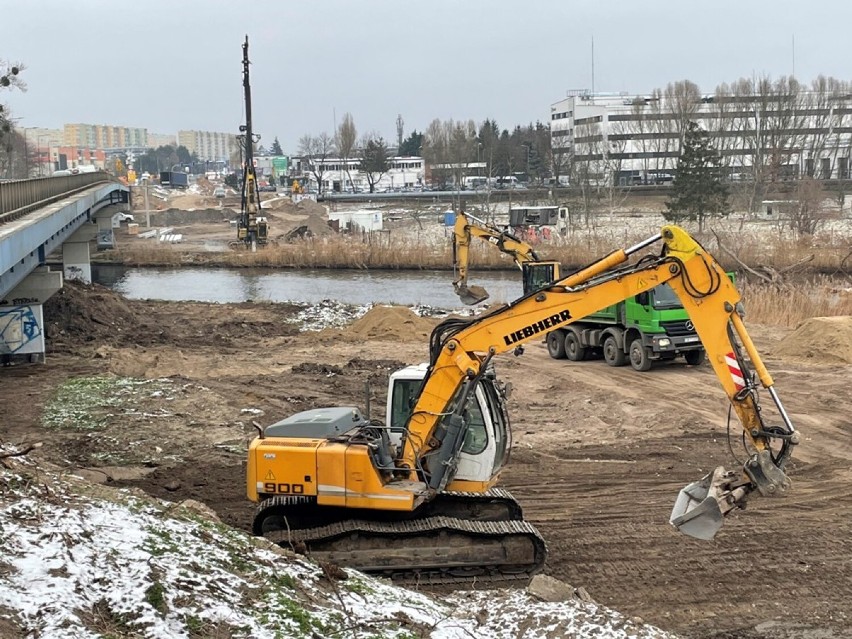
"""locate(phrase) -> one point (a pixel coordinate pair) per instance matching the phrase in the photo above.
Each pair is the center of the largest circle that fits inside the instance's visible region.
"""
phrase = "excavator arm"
(461, 349)
(466, 227)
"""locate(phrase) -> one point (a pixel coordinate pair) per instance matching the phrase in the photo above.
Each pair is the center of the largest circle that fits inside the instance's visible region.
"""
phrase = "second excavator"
(414, 497)
(536, 272)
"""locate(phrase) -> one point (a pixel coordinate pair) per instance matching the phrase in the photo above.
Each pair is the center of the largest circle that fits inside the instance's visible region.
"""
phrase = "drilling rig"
(252, 228)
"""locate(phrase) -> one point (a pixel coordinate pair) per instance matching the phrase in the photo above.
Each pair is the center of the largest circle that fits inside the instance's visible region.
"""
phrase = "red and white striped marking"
(736, 372)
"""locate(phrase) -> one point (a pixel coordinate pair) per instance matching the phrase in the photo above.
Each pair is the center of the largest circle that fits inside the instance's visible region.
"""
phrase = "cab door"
(476, 461)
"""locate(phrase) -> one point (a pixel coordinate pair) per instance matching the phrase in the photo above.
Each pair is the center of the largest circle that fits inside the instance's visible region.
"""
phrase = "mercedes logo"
(689, 325)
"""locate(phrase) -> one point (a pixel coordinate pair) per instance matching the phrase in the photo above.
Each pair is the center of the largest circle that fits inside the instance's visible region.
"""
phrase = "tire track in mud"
(606, 524)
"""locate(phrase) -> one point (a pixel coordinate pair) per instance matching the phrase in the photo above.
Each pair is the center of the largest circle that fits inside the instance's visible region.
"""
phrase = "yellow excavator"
(415, 498)
(536, 272)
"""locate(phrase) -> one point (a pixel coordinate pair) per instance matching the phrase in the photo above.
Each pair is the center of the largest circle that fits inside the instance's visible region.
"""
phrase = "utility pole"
(145, 182)
(252, 229)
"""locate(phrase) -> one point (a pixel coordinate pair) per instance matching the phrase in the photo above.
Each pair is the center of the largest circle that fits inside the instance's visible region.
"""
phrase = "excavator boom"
(460, 349)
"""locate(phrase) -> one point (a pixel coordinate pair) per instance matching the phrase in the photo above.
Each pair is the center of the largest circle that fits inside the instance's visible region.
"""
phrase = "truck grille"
(679, 328)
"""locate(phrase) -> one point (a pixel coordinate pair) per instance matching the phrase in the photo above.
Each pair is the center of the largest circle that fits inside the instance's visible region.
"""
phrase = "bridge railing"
(19, 197)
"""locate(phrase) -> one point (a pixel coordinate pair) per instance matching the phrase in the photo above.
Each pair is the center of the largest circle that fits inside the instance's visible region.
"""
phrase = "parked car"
(219, 191)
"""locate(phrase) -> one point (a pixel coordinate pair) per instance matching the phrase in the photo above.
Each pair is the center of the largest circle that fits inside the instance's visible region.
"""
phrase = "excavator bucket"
(700, 507)
(471, 295)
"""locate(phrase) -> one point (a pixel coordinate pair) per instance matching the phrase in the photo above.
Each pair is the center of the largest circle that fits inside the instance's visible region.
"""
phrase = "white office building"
(623, 139)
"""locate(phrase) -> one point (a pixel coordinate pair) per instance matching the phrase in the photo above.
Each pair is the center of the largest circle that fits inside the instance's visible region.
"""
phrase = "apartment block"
(209, 145)
(102, 136)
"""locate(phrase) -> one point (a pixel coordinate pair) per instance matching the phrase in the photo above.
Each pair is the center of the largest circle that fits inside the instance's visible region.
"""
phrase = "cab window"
(476, 437)
(405, 393)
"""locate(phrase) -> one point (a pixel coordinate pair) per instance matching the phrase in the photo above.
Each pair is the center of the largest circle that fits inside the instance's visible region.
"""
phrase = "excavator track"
(433, 550)
(457, 538)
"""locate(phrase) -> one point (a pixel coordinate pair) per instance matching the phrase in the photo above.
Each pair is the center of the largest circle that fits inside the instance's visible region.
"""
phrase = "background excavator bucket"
(471, 295)
(698, 510)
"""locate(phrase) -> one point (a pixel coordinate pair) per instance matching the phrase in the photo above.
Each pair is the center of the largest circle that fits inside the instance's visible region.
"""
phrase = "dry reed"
(791, 304)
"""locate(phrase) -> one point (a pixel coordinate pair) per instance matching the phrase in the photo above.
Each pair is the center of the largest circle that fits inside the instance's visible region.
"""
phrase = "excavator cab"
(487, 437)
(537, 275)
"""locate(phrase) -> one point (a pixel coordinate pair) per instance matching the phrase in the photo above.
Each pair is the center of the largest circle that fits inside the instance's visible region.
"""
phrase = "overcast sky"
(170, 65)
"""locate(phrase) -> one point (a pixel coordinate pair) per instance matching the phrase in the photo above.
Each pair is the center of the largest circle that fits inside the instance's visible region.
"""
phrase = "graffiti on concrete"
(20, 327)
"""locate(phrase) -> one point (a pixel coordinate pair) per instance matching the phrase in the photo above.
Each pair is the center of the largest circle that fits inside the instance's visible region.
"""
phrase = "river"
(431, 288)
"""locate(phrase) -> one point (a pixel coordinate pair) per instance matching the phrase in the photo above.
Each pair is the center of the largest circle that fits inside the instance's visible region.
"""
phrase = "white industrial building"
(339, 175)
(623, 139)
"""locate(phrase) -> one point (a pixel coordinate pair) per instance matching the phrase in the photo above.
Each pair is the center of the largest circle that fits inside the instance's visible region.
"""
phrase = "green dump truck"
(639, 330)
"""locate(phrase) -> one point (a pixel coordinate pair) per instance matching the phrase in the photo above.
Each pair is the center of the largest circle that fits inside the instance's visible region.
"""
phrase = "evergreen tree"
(276, 149)
(374, 161)
(410, 147)
(697, 191)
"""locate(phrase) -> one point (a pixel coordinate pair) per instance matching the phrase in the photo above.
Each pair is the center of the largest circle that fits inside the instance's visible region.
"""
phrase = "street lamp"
(49, 159)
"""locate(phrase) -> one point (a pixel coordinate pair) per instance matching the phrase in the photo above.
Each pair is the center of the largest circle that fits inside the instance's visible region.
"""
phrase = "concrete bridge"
(37, 218)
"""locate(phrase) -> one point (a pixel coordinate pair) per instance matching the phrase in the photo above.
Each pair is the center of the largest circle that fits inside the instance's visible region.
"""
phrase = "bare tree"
(436, 151)
(664, 136)
(314, 151)
(10, 142)
(684, 100)
(589, 167)
(462, 148)
(806, 214)
(347, 137)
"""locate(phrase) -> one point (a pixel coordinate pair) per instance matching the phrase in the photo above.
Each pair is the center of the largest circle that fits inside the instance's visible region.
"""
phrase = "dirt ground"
(599, 453)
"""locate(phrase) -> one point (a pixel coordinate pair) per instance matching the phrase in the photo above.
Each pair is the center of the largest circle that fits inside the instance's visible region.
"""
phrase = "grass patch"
(103, 620)
(159, 542)
(285, 581)
(155, 595)
(359, 587)
(88, 403)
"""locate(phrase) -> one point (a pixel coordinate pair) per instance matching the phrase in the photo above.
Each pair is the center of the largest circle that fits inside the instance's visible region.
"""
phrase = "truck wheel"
(574, 351)
(556, 344)
(694, 358)
(639, 358)
(613, 355)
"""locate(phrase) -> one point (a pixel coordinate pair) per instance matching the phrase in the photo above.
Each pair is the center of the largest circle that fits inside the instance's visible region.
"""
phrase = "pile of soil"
(396, 323)
(81, 315)
(86, 313)
(309, 207)
(311, 226)
(828, 339)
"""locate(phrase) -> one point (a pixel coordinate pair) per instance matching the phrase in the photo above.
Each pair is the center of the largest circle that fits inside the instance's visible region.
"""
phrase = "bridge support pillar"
(21, 319)
(107, 220)
(76, 258)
